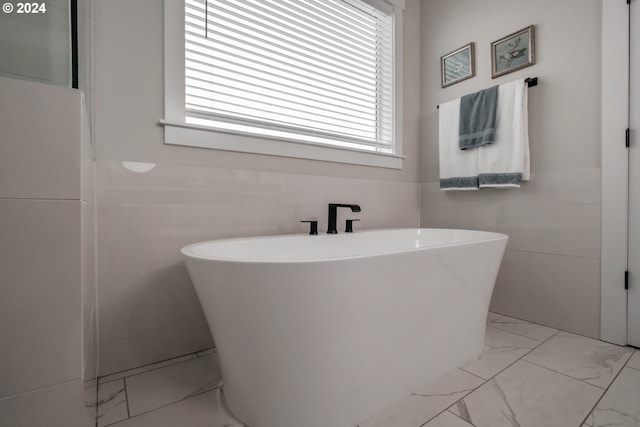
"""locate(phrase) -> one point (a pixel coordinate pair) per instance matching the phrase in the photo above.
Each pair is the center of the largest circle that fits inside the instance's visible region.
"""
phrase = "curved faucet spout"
(333, 214)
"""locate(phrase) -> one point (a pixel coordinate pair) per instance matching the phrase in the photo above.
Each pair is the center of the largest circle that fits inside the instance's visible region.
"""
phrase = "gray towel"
(478, 118)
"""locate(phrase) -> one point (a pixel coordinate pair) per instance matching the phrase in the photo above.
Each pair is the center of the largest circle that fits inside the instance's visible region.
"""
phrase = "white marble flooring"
(527, 375)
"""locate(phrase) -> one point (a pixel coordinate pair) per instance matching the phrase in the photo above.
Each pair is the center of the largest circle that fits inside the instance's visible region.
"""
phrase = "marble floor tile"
(556, 383)
(198, 411)
(141, 369)
(527, 395)
(595, 362)
(112, 403)
(491, 317)
(634, 362)
(501, 349)
(589, 421)
(524, 328)
(620, 405)
(447, 419)
(426, 402)
(160, 387)
(90, 402)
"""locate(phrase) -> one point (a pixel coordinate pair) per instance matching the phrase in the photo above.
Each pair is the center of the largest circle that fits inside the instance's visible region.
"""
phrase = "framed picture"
(457, 65)
(513, 52)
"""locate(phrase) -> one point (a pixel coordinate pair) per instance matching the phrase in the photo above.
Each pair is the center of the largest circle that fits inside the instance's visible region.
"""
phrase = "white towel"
(458, 168)
(505, 163)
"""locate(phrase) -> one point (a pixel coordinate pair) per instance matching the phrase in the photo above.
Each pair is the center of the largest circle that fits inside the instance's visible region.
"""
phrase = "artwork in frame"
(513, 52)
(458, 65)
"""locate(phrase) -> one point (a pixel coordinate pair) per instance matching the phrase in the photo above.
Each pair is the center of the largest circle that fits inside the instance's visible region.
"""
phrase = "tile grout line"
(606, 390)
(126, 396)
(124, 385)
(163, 406)
(195, 354)
(492, 324)
(475, 375)
(631, 367)
(456, 415)
(496, 374)
(212, 350)
(578, 379)
(500, 316)
(95, 414)
(614, 378)
(189, 396)
(526, 321)
(447, 408)
(486, 380)
(544, 367)
(12, 396)
(520, 358)
(566, 375)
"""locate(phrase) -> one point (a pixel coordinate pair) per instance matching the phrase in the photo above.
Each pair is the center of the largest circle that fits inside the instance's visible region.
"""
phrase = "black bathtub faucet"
(333, 215)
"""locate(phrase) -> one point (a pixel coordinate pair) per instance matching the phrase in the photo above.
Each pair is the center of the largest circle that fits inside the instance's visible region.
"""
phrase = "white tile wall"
(195, 194)
(47, 255)
(554, 220)
(40, 314)
(57, 405)
(89, 248)
(40, 150)
(148, 307)
(550, 272)
(89, 282)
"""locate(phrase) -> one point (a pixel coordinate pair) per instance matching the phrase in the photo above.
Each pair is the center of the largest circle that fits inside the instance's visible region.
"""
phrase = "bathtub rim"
(187, 251)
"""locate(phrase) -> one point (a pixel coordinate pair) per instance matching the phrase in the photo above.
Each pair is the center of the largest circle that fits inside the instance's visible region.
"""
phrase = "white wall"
(48, 280)
(147, 305)
(550, 273)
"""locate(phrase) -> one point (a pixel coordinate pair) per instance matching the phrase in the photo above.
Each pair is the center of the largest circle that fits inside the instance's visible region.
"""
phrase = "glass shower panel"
(35, 41)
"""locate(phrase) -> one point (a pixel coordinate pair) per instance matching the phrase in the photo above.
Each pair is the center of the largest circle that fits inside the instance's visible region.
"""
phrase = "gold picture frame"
(458, 65)
(513, 52)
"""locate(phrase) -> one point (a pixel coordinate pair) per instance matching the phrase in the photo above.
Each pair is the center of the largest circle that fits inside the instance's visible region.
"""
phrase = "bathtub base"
(333, 341)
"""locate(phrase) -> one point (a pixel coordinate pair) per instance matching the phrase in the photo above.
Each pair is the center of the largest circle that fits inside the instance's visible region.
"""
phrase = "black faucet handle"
(313, 229)
(349, 227)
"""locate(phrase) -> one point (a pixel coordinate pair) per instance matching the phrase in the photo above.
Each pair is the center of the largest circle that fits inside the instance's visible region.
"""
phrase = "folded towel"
(505, 163)
(478, 118)
(458, 169)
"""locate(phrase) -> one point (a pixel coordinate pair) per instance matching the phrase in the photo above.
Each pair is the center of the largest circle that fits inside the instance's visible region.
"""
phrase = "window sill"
(185, 134)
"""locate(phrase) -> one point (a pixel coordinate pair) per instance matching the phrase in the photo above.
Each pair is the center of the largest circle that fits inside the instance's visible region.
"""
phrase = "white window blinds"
(317, 71)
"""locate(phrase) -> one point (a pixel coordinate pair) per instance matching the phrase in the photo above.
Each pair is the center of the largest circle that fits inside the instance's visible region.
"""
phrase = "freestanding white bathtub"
(324, 331)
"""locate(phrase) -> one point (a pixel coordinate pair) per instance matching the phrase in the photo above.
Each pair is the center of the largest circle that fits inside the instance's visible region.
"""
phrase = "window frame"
(178, 132)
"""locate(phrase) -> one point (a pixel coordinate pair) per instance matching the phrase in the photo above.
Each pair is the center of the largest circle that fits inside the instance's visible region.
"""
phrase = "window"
(315, 79)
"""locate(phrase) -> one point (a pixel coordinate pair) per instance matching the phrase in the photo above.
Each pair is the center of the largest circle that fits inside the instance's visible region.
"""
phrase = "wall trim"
(615, 168)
